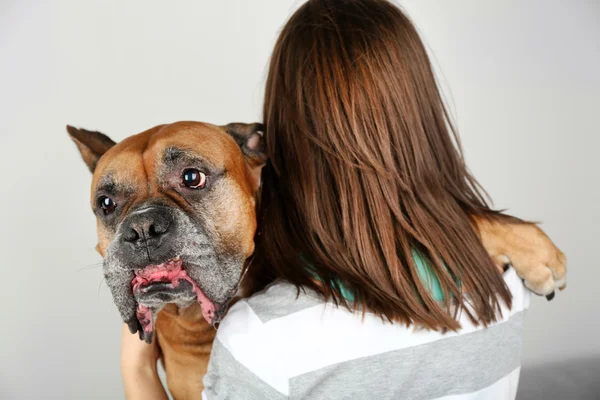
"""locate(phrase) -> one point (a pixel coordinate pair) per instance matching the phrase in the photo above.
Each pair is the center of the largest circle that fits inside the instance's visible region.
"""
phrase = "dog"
(175, 208)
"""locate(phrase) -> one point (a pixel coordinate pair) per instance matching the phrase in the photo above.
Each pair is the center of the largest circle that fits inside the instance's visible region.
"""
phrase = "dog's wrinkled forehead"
(147, 156)
(177, 158)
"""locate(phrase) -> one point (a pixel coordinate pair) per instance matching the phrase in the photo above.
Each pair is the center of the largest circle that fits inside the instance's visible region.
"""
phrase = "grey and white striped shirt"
(276, 345)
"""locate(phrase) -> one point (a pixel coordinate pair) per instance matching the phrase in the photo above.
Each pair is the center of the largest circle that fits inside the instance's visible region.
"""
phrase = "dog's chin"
(158, 285)
(156, 295)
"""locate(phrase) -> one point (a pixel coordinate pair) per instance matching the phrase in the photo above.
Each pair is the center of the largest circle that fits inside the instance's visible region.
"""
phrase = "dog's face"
(175, 209)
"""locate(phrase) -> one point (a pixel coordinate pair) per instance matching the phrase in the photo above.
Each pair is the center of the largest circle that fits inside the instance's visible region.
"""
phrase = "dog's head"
(175, 209)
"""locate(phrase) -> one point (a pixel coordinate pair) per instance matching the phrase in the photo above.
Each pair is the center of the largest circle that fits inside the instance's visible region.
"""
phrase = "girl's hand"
(139, 368)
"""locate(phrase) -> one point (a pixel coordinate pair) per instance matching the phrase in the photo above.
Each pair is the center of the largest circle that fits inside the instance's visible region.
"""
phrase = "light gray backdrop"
(524, 89)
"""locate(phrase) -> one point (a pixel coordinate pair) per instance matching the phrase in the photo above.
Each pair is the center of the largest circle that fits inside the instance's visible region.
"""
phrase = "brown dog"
(175, 209)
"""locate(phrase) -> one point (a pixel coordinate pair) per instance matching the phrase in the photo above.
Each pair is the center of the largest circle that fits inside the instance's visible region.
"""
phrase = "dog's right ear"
(91, 145)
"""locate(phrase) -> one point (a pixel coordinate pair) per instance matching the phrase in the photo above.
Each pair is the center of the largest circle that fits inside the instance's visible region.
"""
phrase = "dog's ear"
(91, 145)
(250, 138)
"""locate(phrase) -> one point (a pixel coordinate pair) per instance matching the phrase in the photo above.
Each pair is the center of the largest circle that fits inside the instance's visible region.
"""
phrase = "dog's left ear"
(250, 138)
(91, 145)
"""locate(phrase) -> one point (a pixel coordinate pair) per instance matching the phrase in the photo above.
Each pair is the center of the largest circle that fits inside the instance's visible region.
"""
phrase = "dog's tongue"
(171, 271)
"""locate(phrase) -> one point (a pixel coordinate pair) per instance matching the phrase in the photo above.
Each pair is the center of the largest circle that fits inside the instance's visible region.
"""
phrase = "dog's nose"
(147, 227)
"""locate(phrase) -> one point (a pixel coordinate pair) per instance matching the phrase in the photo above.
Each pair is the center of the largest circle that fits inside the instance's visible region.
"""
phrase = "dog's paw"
(543, 279)
(535, 258)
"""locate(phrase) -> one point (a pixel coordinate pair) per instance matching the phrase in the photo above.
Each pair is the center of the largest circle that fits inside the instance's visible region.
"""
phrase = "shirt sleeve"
(228, 376)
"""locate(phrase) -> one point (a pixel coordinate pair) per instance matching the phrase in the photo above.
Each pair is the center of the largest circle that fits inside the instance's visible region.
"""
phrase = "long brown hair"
(365, 168)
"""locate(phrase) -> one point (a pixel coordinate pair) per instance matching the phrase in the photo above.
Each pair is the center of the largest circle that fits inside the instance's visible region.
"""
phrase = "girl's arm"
(139, 368)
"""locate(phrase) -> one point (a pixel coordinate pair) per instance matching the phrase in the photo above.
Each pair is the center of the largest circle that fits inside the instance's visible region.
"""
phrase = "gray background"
(524, 90)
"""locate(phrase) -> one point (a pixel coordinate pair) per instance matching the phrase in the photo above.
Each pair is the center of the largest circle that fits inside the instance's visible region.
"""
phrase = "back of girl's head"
(365, 171)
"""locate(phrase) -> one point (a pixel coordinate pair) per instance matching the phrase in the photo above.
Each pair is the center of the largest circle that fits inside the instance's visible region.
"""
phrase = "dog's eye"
(193, 178)
(107, 205)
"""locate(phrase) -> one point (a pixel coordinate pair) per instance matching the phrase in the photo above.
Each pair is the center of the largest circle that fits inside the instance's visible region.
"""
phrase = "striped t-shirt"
(276, 345)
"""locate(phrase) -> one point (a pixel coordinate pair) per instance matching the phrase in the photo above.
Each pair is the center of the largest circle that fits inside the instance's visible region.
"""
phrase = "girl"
(370, 279)
(366, 230)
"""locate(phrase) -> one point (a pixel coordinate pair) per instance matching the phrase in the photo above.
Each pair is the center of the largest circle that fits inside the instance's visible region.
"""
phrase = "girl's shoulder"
(265, 311)
(258, 338)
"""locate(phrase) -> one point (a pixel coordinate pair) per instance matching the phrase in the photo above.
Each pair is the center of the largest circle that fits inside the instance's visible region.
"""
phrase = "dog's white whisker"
(99, 286)
(88, 267)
